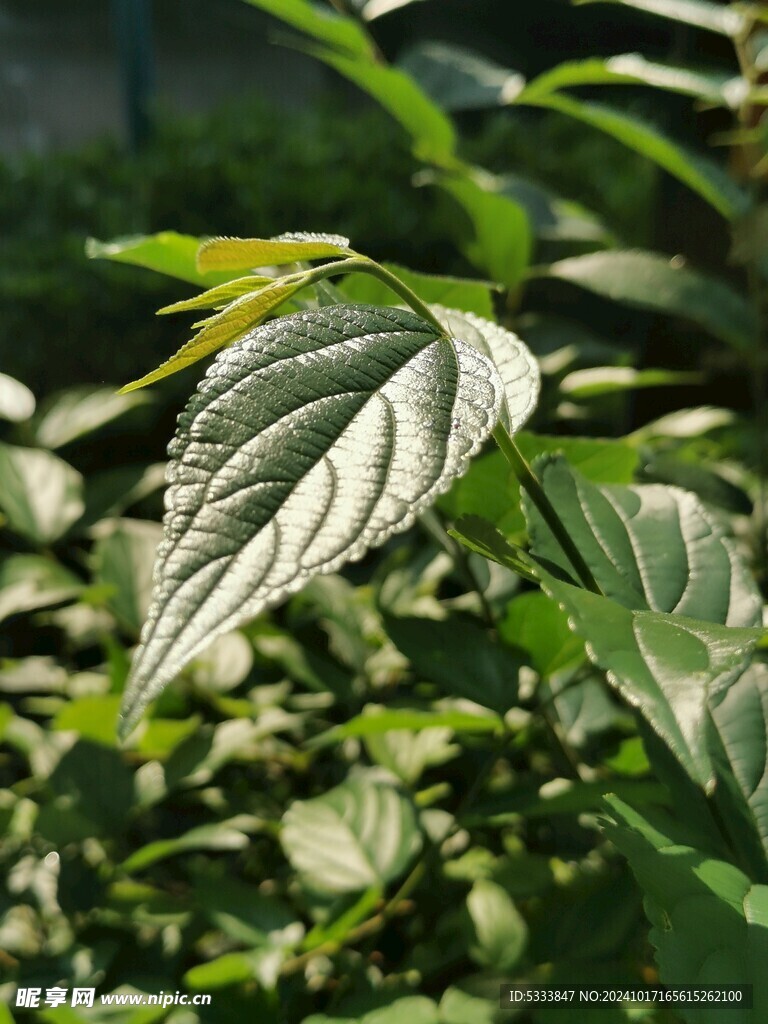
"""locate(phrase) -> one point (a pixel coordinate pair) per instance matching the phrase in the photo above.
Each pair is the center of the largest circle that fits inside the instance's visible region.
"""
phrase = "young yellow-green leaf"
(652, 281)
(355, 836)
(166, 252)
(234, 320)
(700, 175)
(312, 439)
(220, 296)
(245, 253)
(725, 20)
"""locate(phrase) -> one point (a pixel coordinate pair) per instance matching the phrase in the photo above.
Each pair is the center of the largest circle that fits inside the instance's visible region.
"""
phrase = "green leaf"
(245, 253)
(408, 754)
(454, 292)
(607, 380)
(79, 411)
(740, 721)
(727, 21)
(710, 925)
(484, 539)
(534, 623)
(667, 666)
(166, 252)
(93, 718)
(460, 657)
(229, 834)
(459, 79)
(650, 281)
(17, 403)
(501, 933)
(320, 22)
(124, 556)
(432, 133)
(560, 796)
(700, 175)
(28, 582)
(312, 439)
(40, 495)
(355, 836)
(221, 328)
(502, 242)
(649, 547)
(413, 1009)
(376, 720)
(490, 490)
(220, 296)
(242, 912)
(634, 69)
(517, 368)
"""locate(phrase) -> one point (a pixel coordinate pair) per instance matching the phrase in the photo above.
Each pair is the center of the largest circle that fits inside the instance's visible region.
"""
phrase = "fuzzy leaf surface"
(312, 439)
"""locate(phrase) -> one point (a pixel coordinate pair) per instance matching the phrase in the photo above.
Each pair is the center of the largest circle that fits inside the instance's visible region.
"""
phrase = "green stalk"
(532, 485)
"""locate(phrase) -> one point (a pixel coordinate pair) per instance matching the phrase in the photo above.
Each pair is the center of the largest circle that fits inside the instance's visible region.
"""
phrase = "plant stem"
(530, 482)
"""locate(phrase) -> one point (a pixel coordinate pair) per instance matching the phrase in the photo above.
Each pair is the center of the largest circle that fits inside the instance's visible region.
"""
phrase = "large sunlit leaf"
(710, 923)
(41, 495)
(725, 20)
(702, 176)
(649, 547)
(651, 281)
(166, 252)
(312, 439)
(358, 835)
(517, 367)
(245, 253)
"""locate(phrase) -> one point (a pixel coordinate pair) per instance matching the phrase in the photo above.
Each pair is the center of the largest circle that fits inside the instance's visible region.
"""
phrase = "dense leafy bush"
(494, 746)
